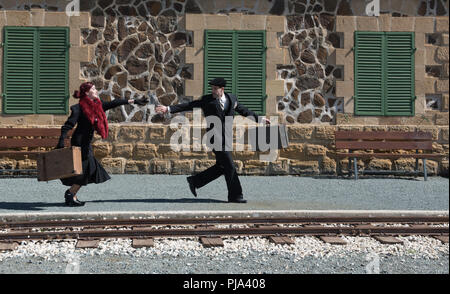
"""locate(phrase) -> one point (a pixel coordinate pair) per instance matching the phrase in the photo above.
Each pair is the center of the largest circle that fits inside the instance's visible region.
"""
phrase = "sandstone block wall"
(146, 149)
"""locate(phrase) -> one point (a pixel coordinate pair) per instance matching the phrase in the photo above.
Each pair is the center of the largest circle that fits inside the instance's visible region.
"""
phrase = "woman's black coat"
(84, 132)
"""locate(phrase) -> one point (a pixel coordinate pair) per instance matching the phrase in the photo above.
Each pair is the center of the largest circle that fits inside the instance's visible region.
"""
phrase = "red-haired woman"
(89, 116)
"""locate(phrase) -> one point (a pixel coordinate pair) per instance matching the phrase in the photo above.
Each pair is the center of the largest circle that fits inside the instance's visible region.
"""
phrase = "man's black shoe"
(237, 200)
(191, 185)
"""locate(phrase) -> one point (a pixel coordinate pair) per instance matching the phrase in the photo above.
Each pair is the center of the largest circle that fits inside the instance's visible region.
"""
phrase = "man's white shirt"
(224, 102)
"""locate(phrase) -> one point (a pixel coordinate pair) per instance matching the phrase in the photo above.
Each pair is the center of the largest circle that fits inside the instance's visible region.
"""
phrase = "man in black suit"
(218, 104)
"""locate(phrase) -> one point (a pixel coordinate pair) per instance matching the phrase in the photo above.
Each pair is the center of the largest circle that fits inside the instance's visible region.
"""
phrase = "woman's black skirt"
(93, 172)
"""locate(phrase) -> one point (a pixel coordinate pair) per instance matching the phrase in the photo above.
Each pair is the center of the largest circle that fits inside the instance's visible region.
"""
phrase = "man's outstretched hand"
(161, 109)
(266, 121)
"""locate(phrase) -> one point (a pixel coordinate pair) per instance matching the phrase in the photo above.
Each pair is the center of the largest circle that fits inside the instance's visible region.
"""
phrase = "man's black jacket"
(211, 107)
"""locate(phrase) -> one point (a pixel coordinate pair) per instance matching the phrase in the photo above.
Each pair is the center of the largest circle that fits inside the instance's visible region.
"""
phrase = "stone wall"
(141, 46)
(273, 7)
(145, 149)
(315, 82)
(131, 47)
(431, 66)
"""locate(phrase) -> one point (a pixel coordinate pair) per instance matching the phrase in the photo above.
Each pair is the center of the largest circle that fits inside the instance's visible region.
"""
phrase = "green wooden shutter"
(35, 70)
(400, 91)
(251, 70)
(384, 73)
(219, 60)
(19, 65)
(369, 73)
(53, 79)
(240, 58)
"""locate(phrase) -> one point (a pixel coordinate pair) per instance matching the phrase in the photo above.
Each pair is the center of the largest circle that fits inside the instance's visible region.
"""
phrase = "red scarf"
(93, 110)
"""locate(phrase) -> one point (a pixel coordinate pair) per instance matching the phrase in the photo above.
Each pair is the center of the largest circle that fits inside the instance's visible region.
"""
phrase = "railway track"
(211, 230)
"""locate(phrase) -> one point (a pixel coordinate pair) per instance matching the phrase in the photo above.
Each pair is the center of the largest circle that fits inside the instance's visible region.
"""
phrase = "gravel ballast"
(244, 255)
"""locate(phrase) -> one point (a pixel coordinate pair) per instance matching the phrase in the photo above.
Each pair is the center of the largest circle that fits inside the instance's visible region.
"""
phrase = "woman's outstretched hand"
(141, 101)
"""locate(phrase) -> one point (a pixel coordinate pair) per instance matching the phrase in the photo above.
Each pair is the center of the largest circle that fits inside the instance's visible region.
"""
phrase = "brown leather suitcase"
(59, 164)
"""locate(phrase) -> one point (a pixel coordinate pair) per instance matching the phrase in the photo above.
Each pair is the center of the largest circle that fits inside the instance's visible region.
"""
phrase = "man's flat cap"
(220, 82)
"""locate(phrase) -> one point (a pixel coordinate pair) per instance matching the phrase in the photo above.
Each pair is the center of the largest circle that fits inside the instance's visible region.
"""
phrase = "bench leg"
(416, 168)
(338, 169)
(349, 167)
(355, 166)
(425, 177)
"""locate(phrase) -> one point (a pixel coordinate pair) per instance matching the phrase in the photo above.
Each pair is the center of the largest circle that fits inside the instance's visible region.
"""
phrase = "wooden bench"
(379, 144)
(27, 143)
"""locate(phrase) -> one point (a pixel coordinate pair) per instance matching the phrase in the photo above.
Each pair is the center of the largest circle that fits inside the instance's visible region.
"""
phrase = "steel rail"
(222, 220)
(361, 230)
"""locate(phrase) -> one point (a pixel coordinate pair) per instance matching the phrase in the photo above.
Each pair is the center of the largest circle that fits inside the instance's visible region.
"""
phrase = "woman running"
(89, 116)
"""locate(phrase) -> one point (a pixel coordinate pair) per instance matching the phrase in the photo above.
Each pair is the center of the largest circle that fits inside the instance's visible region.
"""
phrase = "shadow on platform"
(31, 206)
(36, 206)
(368, 177)
(160, 200)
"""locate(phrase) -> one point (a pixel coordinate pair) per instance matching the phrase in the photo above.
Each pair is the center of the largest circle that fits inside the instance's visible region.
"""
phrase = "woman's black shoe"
(70, 201)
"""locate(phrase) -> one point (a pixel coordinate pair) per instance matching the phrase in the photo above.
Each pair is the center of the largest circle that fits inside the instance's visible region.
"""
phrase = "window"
(384, 73)
(35, 70)
(240, 58)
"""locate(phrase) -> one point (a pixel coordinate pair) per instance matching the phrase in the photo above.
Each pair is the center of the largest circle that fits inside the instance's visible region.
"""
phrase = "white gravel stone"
(413, 246)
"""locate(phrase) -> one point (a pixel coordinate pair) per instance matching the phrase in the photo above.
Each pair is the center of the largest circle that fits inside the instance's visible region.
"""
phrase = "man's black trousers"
(224, 166)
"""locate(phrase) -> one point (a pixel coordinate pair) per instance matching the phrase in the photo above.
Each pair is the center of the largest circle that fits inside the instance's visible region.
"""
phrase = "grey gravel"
(355, 264)
(253, 264)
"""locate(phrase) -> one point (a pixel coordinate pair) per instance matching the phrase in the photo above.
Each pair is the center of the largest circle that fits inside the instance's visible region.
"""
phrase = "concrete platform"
(43, 216)
(162, 194)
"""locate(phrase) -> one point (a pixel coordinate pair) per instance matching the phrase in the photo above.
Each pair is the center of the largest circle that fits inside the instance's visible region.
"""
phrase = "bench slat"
(389, 145)
(29, 153)
(379, 135)
(34, 132)
(17, 143)
(389, 155)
